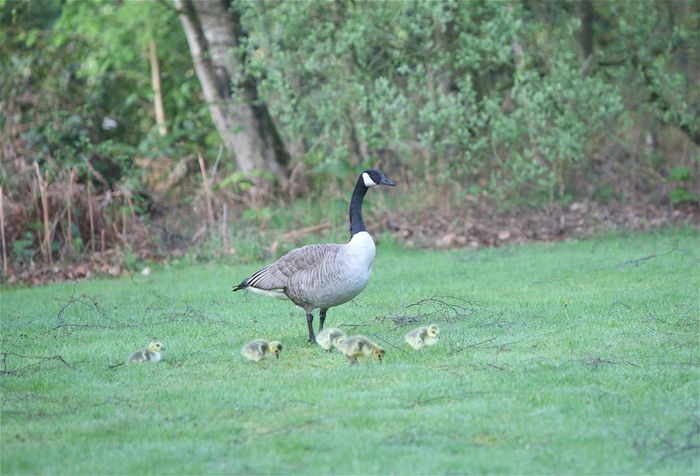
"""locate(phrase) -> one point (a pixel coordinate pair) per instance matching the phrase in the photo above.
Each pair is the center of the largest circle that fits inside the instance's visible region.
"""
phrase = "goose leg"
(321, 319)
(310, 323)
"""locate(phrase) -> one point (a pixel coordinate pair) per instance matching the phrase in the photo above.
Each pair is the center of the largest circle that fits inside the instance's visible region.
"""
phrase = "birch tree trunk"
(244, 123)
(156, 85)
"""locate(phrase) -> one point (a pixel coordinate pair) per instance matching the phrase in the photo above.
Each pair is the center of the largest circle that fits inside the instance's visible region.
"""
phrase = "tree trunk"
(244, 123)
(587, 15)
(156, 84)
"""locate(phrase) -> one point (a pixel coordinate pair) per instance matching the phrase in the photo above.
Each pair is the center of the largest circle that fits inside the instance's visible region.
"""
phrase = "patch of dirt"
(477, 224)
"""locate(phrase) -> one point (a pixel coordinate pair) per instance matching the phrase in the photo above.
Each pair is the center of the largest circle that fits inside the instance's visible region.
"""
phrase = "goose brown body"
(322, 276)
(319, 276)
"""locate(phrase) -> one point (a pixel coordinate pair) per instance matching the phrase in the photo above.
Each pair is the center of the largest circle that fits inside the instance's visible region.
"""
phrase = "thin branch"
(677, 451)
(42, 359)
(638, 261)
(389, 343)
(470, 345)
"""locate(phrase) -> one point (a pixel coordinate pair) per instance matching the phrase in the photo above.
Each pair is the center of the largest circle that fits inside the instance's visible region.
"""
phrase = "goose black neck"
(357, 224)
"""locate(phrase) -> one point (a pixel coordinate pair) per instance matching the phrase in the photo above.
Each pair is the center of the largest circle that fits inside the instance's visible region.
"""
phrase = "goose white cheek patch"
(368, 181)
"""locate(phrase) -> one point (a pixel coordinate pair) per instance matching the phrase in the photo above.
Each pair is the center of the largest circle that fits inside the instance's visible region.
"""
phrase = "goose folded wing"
(301, 260)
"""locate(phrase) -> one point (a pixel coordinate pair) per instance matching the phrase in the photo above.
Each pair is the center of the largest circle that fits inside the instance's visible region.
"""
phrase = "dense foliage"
(521, 101)
(489, 93)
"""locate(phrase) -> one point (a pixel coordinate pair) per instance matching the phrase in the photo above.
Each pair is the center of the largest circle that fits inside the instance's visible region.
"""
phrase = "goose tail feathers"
(277, 293)
(243, 285)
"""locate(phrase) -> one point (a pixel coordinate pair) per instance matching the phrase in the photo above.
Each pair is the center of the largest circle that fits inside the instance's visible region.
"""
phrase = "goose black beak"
(386, 181)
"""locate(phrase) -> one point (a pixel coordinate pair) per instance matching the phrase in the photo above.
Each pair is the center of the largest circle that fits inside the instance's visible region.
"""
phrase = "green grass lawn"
(575, 357)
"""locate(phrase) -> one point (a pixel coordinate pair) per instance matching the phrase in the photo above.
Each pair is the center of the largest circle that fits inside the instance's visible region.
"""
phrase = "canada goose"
(329, 338)
(260, 349)
(324, 275)
(151, 354)
(422, 336)
(358, 346)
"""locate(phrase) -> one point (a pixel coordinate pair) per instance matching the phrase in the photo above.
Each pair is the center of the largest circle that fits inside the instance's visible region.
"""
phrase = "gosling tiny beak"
(386, 181)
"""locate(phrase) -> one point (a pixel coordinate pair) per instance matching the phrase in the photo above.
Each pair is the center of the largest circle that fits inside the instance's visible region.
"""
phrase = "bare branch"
(42, 359)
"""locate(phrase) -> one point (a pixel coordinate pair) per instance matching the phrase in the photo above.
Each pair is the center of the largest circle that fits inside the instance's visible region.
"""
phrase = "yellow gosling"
(260, 349)
(360, 346)
(151, 354)
(329, 338)
(423, 336)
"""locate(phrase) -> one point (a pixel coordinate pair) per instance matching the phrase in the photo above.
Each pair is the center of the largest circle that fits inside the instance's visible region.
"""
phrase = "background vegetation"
(519, 103)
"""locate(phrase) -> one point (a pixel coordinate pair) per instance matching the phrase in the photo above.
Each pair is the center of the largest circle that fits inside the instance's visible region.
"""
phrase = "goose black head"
(372, 177)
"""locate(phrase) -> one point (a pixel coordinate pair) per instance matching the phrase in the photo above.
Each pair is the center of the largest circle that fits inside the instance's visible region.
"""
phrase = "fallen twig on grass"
(93, 326)
(689, 444)
(361, 324)
(389, 343)
(678, 451)
(85, 300)
(596, 361)
(618, 303)
(496, 367)
(426, 401)
(457, 351)
(436, 308)
(402, 320)
(638, 261)
(282, 430)
(189, 314)
(449, 310)
(43, 359)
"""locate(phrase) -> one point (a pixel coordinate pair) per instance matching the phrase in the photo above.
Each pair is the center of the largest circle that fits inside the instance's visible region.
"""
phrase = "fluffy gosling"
(329, 338)
(260, 349)
(359, 346)
(423, 336)
(151, 354)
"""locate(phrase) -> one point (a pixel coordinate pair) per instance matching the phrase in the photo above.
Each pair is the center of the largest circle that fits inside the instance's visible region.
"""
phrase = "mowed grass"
(574, 357)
